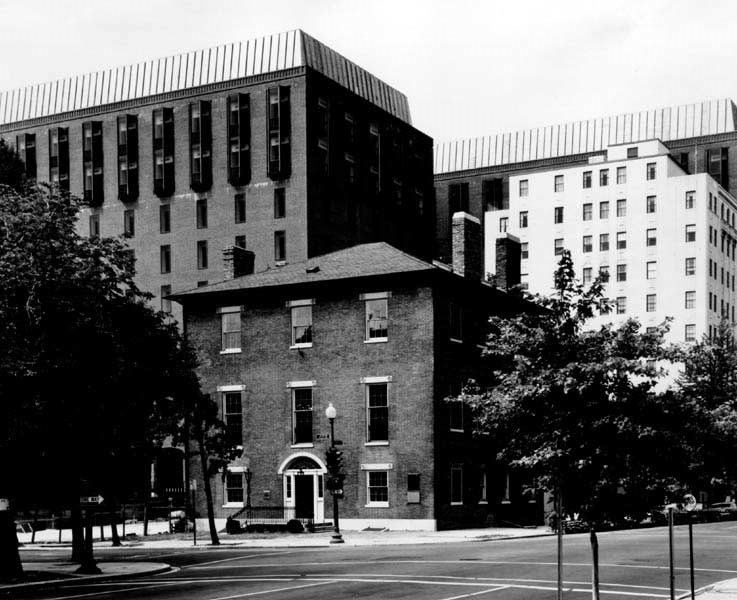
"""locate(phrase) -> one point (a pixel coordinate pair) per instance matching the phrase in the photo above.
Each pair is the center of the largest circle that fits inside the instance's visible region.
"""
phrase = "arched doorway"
(303, 485)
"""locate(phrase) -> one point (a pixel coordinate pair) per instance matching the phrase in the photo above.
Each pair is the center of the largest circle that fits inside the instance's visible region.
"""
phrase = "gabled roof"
(365, 260)
(223, 63)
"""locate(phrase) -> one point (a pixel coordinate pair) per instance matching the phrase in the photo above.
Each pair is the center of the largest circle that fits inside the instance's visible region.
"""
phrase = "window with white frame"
(651, 170)
(558, 246)
(622, 207)
(377, 412)
(588, 243)
(604, 209)
(651, 237)
(523, 219)
(302, 415)
(690, 299)
(650, 301)
(230, 324)
(587, 274)
(604, 177)
(503, 224)
(483, 485)
(456, 484)
(621, 240)
(558, 183)
(651, 269)
(621, 305)
(377, 488)
(690, 333)
(690, 233)
(377, 318)
(234, 487)
(301, 322)
(603, 242)
(690, 199)
(525, 249)
(524, 187)
(621, 175)
(587, 211)
(233, 416)
(690, 266)
(587, 179)
(650, 204)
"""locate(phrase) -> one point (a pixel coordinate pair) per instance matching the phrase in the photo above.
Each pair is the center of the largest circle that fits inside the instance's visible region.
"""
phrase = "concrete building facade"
(667, 239)
(473, 174)
(279, 145)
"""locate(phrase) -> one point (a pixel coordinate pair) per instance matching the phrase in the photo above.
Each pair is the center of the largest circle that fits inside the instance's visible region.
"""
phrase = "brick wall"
(337, 361)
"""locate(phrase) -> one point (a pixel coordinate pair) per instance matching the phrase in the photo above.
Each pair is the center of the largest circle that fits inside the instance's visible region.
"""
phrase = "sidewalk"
(300, 540)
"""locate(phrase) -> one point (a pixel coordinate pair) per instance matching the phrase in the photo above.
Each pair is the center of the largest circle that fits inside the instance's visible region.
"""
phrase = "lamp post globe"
(330, 411)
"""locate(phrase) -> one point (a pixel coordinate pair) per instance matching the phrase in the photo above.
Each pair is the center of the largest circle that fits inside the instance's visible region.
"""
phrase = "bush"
(295, 526)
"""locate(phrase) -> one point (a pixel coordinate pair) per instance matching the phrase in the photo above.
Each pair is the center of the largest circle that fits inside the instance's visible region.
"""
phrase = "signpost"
(193, 487)
(88, 565)
(690, 505)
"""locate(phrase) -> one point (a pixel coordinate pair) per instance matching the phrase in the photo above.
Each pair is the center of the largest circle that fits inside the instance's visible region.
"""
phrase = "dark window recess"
(200, 145)
(279, 133)
(457, 198)
(492, 194)
(59, 157)
(163, 151)
(165, 218)
(280, 209)
(240, 208)
(323, 136)
(25, 144)
(240, 241)
(239, 139)
(717, 165)
(127, 158)
(280, 246)
(129, 223)
(165, 259)
(92, 160)
(202, 261)
(683, 161)
(413, 488)
(201, 210)
(374, 155)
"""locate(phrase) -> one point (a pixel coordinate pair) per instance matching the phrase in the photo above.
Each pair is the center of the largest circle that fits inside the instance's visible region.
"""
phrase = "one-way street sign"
(91, 499)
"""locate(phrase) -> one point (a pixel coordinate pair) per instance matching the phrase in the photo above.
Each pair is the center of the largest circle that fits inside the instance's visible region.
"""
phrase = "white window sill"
(456, 503)
(297, 346)
(483, 501)
(458, 430)
(377, 443)
(306, 445)
(456, 341)
(234, 505)
(375, 340)
(231, 351)
(377, 505)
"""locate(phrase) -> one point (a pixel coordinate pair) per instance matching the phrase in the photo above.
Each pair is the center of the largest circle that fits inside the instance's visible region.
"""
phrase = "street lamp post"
(337, 538)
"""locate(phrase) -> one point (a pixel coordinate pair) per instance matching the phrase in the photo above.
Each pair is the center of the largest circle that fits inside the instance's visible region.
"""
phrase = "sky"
(469, 68)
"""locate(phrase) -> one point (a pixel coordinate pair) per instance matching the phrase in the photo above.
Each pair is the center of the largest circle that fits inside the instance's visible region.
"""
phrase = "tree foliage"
(708, 382)
(12, 169)
(91, 378)
(576, 408)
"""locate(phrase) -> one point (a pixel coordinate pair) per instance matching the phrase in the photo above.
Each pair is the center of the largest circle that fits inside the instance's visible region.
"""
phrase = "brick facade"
(434, 322)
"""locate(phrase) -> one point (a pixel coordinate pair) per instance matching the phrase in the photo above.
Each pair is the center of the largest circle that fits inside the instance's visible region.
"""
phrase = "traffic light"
(334, 460)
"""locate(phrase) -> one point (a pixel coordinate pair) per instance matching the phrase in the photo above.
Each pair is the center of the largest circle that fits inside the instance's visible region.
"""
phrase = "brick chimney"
(508, 257)
(467, 245)
(237, 262)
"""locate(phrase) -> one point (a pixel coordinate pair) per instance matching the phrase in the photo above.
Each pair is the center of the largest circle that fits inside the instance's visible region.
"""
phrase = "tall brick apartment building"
(279, 145)
(473, 174)
(385, 337)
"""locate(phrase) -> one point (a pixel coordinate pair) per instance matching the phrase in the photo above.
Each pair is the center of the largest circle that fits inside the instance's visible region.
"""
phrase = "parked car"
(659, 514)
(721, 511)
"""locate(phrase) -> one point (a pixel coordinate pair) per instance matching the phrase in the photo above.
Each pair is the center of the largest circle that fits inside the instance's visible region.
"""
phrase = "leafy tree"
(90, 376)
(708, 382)
(576, 408)
(208, 441)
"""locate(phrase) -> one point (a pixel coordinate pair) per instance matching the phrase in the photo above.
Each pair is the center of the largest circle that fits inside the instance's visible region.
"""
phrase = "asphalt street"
(634, 564)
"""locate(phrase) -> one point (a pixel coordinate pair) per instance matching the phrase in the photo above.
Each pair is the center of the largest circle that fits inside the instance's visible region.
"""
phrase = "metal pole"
(670, 555)
(595, 566)
(559, 524)
(690, 554)
(337, 538)
(194, 518)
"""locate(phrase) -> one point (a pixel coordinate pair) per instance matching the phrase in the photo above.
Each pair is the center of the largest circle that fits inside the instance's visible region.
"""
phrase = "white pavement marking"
(129, 589)
(223, 560)
(262, 592)
(476, 562)
(496, 589)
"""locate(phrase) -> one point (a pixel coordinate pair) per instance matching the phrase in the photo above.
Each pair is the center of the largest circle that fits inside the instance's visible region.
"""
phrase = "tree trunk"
(208, 498)
(77, 535)
(10, 565)
(114, 528)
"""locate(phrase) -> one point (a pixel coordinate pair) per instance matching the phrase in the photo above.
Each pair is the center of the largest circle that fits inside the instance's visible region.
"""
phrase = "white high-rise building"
(666, 238)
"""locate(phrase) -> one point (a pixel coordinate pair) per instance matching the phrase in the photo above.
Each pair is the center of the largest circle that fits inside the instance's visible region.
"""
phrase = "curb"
(164, 568)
